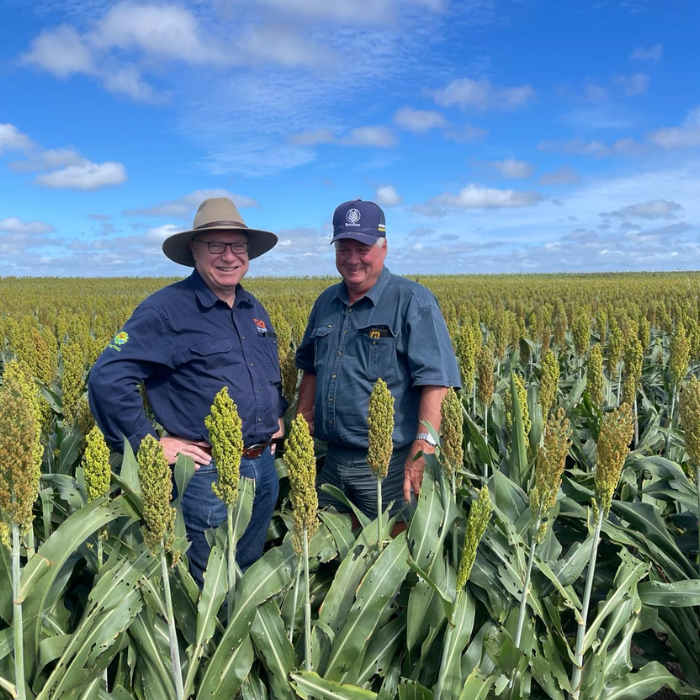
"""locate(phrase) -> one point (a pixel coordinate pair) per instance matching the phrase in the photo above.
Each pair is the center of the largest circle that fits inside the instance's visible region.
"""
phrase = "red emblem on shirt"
(262, 328)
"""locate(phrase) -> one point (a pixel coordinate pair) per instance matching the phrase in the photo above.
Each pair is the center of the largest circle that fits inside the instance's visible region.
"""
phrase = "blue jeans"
(347, 469)
(203, 510)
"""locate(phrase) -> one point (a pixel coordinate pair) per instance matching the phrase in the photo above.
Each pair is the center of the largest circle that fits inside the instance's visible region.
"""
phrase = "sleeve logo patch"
(119, 340)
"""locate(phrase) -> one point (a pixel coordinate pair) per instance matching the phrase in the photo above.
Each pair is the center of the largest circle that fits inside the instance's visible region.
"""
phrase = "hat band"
(232, 224)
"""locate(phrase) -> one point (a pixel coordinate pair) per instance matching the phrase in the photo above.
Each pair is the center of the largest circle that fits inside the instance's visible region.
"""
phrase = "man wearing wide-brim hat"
(184, 343)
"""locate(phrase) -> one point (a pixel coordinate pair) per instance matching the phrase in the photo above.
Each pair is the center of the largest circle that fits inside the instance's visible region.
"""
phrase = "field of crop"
(553, 552)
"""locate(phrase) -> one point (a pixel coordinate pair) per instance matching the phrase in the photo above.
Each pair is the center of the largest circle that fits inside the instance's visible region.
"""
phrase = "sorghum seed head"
(301, 463)
(380, 420)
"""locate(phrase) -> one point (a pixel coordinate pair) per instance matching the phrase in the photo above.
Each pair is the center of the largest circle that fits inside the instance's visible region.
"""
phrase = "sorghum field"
(553, 552)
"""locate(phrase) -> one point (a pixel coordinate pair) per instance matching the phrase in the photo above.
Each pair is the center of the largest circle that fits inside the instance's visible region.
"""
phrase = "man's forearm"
(429, 408)
(307, 397)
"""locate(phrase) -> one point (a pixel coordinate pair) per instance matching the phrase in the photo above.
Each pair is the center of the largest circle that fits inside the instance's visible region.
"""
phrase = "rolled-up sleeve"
(305, 357)
(431, 358)
(140, 350)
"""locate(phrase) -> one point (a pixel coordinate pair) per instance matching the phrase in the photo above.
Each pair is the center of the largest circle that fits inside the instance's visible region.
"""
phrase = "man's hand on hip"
(174, 446)
(413, 471)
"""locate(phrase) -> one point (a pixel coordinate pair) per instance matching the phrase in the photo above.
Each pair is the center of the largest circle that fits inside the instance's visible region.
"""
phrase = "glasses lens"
(218, 247)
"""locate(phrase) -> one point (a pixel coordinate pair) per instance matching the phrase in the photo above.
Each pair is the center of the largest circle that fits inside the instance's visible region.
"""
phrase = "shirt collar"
(207, 298)
(373, 294)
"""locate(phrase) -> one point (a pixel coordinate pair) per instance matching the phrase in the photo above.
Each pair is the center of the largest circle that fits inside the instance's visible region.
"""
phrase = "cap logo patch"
(353, 216)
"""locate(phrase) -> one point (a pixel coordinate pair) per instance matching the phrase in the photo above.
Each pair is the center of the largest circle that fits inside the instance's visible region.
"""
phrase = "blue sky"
(498, 135)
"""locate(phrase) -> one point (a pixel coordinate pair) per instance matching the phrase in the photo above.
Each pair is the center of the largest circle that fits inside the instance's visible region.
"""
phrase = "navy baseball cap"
(359, 220)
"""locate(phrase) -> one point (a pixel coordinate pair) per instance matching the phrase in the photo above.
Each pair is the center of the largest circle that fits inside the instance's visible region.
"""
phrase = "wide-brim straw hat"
(217, 214)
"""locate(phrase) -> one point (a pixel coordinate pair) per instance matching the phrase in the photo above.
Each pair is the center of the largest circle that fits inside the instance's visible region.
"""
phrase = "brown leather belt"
(256, 450)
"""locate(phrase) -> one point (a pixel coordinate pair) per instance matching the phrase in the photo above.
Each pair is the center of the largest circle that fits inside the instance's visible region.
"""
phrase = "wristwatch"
(426, 437)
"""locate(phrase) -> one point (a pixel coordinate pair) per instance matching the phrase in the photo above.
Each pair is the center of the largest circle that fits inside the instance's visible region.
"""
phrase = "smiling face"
(220, 271)
(359, 265)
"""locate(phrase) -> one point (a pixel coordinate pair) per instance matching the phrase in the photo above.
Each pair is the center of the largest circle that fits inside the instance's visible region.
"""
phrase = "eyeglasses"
(218, 247)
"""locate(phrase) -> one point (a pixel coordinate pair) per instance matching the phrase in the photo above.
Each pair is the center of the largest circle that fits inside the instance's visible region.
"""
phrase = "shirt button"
(250, 363)
(257, 391)
(331, 422)
(331, 399)
(340, 352)
(259, 419)
(242, 337)
(344, 331)
(349, 311)
(374, 342)
(335, 376)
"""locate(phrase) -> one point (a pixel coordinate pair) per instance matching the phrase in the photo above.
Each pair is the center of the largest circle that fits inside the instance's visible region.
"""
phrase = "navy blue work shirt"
(395, 332)
(185, 344)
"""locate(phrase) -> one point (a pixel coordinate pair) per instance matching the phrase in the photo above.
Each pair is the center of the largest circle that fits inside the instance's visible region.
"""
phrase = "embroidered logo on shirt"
(261, 327)
(375, 334)
(119, 340)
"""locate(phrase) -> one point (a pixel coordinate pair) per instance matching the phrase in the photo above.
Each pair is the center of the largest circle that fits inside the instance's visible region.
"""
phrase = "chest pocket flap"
(213, 346)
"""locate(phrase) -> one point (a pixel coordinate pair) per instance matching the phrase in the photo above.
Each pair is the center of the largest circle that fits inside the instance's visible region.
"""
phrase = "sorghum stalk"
(689, 405)
(479, 517)
(157, 491)
(97, 475)
(19, 486)
(478, 521)
(678, 367)
(594, 377)
(549, 382)
(451, 451)
(613, 446)
(226, 439)
(549, 468)
(301, 463)
(380, 420)
(484, 365)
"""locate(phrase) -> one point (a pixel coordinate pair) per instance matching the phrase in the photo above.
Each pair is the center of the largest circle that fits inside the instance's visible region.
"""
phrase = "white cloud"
(418, 120)
(655, 209)
(634, 85)
(687, 135)
(481, 94)
(597, 149)
(86, 176)
(16, 225)
(376, 136)
(477, 197)
(165, 30)
(513, 169)
(312, 137)
(281, 46)
(184, 207)
(387, 196)
(564, 175)
(48, 159)
(128, 81)
(343, 11)
(465, 133)
(12, 139)
(654, 53)
(594, 93)
(62, 52)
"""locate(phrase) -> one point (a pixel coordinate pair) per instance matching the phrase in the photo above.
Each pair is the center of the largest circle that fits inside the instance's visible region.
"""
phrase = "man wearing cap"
(184, 343)
(372, 325)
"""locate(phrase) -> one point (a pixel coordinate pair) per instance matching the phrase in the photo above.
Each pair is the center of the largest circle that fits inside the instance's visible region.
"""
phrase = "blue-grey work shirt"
(185, 344)
(395, 332)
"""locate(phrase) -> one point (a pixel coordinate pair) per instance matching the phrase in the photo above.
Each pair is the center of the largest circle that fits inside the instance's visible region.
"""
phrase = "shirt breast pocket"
(209, 360)
(268, 342)
(376, 353)
(321, 335)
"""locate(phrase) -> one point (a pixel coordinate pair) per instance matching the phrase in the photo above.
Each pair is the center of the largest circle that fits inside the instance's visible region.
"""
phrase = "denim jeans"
(347, 469)
(203, 510)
